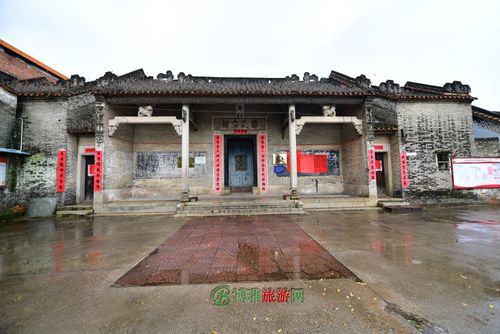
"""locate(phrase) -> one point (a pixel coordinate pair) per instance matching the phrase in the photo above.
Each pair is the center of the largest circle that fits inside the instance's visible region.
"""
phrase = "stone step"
(236, 208)
(384, 204)
(67, 213)
(232, 212)
(78, 207)
(338, 203)
(161, 209)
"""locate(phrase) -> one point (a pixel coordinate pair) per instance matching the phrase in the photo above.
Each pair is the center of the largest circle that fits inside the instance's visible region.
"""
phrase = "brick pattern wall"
(428, 128)
(44, 133)
(18, 68)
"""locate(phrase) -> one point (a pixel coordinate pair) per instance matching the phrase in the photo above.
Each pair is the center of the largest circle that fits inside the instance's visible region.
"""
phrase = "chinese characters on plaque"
(262, 143)
(372, 170)
(61, 170)
(217, 162)
(98, 170)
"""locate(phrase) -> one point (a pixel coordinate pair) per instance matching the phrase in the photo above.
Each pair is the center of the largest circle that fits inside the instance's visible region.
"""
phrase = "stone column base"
(185, 196)
(294, 195)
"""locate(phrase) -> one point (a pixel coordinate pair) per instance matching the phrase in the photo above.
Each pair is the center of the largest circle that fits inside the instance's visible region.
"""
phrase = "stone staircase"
(239, 208)
(75, 210)
(338, 203)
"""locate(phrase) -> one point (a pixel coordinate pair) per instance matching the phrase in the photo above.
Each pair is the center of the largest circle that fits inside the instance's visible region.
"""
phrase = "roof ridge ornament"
(390, 87)
(363, 81)
(167, 76)
(106, 79)
(456, 87)
(310, 77)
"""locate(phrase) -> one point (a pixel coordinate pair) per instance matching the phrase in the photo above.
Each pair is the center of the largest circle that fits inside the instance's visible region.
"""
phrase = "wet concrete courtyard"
(438, 269)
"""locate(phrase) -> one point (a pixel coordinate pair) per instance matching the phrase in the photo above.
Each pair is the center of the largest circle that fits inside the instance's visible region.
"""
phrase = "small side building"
(15, 66)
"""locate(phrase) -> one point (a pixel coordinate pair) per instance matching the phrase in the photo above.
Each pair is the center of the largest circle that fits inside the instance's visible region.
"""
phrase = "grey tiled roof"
(137, 83)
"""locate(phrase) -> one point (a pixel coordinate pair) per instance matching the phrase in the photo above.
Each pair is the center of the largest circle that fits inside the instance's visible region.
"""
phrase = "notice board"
(474, 173)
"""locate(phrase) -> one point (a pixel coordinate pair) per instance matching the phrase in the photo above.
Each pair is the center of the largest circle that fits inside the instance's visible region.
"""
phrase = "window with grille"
(443, 160)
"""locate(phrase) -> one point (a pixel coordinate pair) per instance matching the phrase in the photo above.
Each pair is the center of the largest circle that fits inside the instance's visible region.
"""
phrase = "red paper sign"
(217, 162)
(404, 170)
(91, 170)
(378, 147)
(98, 171)
(378, 166)
(240, 131)
(262, 142)
(372, 171)
(310, 163)
(89, 149)
(61, 170)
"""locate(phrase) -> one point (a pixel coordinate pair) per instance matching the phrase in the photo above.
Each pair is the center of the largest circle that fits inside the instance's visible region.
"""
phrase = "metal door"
(241, 161)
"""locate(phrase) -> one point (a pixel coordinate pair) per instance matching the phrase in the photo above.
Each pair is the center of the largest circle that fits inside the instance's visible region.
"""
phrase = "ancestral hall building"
(134, 137)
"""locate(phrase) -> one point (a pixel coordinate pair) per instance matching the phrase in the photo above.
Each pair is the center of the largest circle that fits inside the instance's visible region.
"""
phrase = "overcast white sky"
(425, 41)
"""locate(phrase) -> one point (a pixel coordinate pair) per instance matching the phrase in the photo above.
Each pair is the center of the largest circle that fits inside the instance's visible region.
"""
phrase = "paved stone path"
(223, 249)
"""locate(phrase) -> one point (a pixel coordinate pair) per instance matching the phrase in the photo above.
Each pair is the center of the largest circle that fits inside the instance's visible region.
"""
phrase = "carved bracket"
(358, 124)
(114, 123)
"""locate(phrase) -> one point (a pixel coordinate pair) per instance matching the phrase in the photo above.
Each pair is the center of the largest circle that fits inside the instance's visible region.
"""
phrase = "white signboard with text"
(469, 173)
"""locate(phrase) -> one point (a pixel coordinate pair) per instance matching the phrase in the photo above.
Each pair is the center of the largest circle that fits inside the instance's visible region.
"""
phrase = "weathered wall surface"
(487, 147)
(326, 137)
(134, 151)
(428, 128)
(44, 134)
(355, 177)
(118, 157)
(8, 105)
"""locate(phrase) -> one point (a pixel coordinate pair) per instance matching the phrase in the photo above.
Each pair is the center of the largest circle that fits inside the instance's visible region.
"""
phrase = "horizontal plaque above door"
(233, 123)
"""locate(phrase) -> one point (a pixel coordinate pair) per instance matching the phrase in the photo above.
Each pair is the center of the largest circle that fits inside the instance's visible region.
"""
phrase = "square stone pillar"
(185, 154)
(99, 144)
(368, 138)
(292, 136)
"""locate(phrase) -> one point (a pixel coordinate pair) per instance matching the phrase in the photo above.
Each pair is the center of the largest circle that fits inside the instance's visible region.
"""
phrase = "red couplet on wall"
(372, 170)
(98, 170)
(61, 170)
(262, 142)
(404, 169)
(217, 162)
(89, 149)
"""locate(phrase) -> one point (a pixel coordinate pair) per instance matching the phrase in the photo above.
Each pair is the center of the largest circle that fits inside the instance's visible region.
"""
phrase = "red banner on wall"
(404, 170)
(98, 170)
(61, 170)
(372, 168)
(217, 162)
(262, 142)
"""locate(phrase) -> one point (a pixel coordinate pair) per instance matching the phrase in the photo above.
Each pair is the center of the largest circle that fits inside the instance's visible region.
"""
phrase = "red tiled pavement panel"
(236, 249)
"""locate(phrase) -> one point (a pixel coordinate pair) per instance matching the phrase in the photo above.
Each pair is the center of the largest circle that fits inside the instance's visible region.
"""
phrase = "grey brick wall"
(44, 134)
(428, 128)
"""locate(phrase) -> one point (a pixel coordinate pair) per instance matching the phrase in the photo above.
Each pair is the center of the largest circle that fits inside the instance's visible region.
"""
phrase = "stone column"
(368, 136)
(293, 152)
(99, 144)
(185, 154)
